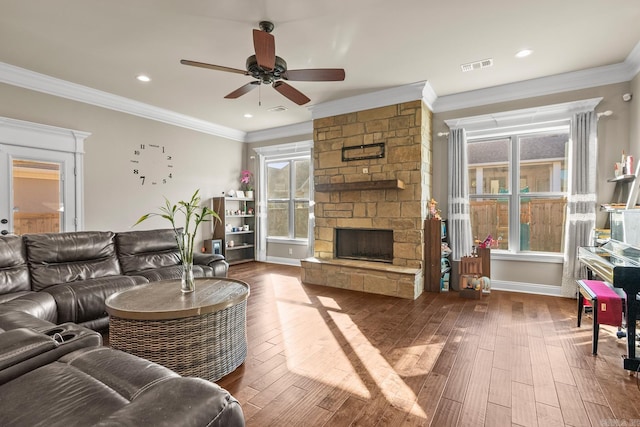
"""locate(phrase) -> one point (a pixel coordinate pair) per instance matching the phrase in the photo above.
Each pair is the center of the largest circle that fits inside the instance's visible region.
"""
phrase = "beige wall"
(113, 196)
(613, 137)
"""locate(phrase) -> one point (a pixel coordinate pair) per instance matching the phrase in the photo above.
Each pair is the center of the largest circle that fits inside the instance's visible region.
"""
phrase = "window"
(518, 187)
(287, 184)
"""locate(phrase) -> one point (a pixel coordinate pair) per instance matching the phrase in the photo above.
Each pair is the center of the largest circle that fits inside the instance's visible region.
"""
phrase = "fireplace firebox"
(364, 244)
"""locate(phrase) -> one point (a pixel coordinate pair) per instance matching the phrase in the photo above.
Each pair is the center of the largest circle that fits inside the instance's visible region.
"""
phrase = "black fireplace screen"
(364, 244)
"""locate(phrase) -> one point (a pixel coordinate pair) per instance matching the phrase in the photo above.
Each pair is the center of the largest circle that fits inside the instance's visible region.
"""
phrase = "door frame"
(21, 133)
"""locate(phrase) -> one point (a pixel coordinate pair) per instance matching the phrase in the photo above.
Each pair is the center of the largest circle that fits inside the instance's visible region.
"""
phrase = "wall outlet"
(365, 170)
(290, 251)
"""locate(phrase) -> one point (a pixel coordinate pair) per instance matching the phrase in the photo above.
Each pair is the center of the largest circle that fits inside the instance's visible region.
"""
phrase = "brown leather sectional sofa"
(66, 277)
(53, 367)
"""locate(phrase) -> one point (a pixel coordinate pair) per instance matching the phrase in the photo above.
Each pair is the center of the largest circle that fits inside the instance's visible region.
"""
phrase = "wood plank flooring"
(328, 357)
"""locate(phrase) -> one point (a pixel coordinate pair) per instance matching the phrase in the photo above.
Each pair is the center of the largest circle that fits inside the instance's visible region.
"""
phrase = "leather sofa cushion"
(12, 319)
(37, 304)
(82, 301)
(100, 386)
(56, 258)
(147, 249)
(14, 273)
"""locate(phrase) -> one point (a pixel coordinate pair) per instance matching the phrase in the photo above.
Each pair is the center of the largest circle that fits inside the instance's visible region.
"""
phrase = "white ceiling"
(381, 44)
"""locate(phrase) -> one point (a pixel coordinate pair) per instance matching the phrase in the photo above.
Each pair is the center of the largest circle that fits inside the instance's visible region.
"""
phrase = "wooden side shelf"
(387, 184)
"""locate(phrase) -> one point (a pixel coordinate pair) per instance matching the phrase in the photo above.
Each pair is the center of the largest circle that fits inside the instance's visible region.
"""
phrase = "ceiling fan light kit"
(267, 68)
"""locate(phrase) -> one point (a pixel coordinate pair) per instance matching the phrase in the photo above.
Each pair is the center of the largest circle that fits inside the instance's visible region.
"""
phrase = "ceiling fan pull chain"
(260, 96)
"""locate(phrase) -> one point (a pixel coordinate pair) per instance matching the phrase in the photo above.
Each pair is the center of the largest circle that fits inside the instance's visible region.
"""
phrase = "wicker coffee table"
(201, 334)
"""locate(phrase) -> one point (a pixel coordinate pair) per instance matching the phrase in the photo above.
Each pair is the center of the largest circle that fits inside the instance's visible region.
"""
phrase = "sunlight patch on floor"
(387, 379)
(316, 353)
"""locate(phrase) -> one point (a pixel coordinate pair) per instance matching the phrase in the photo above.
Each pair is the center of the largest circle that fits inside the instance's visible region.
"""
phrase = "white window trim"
(274, 152)
(521, 121)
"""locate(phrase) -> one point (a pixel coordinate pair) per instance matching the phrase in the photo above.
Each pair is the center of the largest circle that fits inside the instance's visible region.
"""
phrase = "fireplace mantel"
(383, 184)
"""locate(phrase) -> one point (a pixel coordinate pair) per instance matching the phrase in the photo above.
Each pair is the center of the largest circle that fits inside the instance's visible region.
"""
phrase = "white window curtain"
(581, 206)
(459, 220)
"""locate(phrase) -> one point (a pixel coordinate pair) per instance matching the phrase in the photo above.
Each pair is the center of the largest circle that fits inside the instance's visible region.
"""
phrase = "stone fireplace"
(369, 195)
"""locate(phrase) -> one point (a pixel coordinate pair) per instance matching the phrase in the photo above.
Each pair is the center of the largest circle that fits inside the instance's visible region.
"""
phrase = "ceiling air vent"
(477, 65)
(277, 109)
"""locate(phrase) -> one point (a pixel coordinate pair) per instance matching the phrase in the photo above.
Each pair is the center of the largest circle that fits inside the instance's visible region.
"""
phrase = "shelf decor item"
(193, 214)
(432, 210)
(246, 182)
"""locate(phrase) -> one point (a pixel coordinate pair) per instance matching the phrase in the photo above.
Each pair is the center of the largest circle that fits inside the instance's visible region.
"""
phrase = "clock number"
(136, 172)
(164, 180)
(136, 152)
(169, 157)
(163, 149)
(170, 175)
(142, 178)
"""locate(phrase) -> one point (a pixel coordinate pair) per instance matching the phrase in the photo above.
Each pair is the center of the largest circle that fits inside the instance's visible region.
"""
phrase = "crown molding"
(633, 60)
(31, 80)
(367, 101)
(296, 129)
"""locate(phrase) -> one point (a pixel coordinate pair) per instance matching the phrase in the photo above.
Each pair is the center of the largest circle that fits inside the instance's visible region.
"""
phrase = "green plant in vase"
(194, 215)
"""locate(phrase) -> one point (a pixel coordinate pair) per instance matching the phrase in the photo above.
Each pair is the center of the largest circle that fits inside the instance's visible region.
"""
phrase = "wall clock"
(152, 165)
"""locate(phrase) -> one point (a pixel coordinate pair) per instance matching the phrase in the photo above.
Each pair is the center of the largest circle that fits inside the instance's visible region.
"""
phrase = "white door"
(37, 190)
(41, 169)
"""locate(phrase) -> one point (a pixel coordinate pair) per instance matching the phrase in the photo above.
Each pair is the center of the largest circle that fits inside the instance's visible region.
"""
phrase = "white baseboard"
(528, 288)
(282, 260)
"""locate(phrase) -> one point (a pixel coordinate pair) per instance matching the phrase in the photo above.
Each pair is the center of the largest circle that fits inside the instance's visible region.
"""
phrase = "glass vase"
(187, 282)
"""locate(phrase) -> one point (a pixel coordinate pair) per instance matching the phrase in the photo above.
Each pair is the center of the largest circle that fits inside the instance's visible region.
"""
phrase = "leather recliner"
(63, 377)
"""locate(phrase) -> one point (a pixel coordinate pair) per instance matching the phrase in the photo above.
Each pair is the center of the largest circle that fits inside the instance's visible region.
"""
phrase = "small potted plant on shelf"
(193, 214)
(246, 182)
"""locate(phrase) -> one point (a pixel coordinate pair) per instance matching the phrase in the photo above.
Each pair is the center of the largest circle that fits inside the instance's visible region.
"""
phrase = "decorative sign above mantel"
(363, 152)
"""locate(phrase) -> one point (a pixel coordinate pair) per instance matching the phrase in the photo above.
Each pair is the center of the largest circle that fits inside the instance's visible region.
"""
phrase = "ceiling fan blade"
(213, 67)
(265, 46)
(315, 75)
(243, 89)
(290, 92)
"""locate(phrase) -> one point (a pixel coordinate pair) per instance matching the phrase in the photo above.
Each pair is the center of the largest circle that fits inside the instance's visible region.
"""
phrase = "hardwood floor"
(327, 357)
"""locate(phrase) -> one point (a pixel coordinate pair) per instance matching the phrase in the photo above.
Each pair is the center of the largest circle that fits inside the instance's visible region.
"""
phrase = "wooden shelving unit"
(236, 229)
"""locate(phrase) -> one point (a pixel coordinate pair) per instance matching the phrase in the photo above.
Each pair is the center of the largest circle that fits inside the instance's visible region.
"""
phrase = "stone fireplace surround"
(387, 193)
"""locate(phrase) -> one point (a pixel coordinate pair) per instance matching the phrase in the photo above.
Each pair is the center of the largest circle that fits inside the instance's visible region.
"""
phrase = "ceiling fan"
(267, 68)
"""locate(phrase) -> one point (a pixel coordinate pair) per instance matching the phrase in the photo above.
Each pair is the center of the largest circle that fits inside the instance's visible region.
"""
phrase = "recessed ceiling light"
(248, 115)
(143, 78)
(524, 53)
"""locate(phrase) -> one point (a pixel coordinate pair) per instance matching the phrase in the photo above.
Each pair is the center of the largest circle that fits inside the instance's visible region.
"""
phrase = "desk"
(201, 334)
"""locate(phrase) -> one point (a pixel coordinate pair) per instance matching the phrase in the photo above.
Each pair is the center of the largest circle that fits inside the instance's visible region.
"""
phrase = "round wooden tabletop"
(163, 300)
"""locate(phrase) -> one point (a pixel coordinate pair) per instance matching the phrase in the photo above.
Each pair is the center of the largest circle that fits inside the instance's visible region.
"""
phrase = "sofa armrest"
(23, 350)
(22, 344)
(215, 261)
(206, 259)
